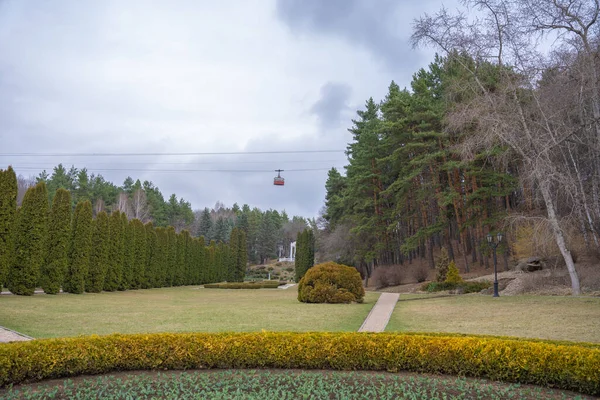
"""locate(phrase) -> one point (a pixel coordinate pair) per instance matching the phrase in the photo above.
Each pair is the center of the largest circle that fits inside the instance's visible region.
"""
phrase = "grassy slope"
(544, 317)
(183, 309)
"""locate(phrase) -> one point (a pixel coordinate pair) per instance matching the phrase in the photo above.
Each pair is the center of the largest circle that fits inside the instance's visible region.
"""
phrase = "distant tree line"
(54, 247)
(269, 233)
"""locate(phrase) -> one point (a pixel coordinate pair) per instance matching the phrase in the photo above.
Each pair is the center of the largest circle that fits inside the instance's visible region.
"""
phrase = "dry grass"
(544, 317)
(183, 309)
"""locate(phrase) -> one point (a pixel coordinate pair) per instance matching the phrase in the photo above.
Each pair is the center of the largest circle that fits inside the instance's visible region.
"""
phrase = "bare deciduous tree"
(544, 107)
(139, 206)
(99, 206)
(23, 183)
(124, 205)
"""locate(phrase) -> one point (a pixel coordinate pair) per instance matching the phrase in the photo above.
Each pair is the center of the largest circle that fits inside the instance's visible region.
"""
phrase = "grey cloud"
(382, 27)
(332, 106)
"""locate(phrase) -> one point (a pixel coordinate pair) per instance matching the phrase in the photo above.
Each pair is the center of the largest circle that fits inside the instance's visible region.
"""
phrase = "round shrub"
(331, 283)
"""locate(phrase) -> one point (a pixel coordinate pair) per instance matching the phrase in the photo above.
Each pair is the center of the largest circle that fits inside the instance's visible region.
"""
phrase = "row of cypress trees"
(54, 248)
(305, 253)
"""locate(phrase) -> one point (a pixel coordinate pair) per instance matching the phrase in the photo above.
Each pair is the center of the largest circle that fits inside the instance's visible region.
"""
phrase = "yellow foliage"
(544, 363)
(330, 282)
(453, 276)
(524, 245)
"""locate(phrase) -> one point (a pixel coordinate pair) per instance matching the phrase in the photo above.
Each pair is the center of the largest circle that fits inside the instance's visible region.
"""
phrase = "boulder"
(530, 264)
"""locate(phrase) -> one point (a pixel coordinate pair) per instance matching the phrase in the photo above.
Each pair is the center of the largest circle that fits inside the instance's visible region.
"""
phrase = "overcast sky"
(141, 76)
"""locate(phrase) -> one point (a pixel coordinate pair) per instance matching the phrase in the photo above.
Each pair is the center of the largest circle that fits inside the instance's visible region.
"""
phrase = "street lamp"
(493, 245)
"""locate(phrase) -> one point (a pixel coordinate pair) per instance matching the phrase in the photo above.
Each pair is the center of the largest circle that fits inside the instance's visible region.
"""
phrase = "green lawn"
(182, 309)
(544, 317)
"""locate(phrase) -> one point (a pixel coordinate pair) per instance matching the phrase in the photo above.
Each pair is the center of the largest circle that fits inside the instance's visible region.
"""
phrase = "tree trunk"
(560, 238)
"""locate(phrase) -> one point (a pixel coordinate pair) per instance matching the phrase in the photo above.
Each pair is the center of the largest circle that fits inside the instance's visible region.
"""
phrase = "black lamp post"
(493, 245)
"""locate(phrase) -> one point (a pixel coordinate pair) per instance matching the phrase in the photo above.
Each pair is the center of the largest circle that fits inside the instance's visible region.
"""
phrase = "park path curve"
(380, 314)
(7, 335)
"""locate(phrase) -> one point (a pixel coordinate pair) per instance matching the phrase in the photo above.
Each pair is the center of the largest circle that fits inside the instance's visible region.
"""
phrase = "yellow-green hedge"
(243, 285)
(571, 367)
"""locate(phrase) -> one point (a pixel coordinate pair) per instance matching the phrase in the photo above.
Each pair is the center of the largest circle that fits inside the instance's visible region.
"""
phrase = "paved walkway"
(380, 314)
(286, 286)
(7, 335)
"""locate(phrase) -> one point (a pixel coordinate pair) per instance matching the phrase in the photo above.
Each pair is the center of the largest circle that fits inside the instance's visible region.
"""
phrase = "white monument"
(292, 256)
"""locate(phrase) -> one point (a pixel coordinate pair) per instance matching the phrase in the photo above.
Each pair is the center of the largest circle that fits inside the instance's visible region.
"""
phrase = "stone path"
(380, 314)
(7, 335)
(286, 286)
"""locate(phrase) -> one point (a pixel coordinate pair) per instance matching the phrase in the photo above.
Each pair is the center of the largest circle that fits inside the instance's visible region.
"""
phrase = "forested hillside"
(493, 135)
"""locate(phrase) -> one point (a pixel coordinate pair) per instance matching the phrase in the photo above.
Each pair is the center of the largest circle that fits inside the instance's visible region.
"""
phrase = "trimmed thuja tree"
(171, 263)
(202, 259)
(127, 266)
(139, 254)
(152, 257)
(232, 260)
(177, 272)
(238, 256)
(8, 208)
(211, 256)
(59, 238)
(305, 253)
(81, 245)
(30, 244)
(242, 256)
(162, 246)
(114, 262)
(98, 255)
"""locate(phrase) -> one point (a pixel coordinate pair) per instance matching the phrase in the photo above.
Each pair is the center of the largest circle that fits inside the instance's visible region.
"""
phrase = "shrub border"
(243, 285)
(569, 367)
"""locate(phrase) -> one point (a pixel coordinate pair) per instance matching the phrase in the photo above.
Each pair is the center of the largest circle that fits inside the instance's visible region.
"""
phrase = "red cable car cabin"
(279, 181)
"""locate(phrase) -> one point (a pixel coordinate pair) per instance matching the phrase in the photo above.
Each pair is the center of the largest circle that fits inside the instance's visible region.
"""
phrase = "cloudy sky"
(198, 76)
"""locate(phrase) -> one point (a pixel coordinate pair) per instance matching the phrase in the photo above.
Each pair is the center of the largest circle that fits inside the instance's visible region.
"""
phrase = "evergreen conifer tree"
(221, 271)
(152, 257)
(128, 257)
(139, 254)
(202, 261)
(98, 254)
(171, 256)
(56, 266)
(30, 245)
(232, 264)
(8, 208)
(305, 253)
(81, 244)
(161, 256)
(212, 267)
(116, 248)
(205, 224)
(242, 256)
